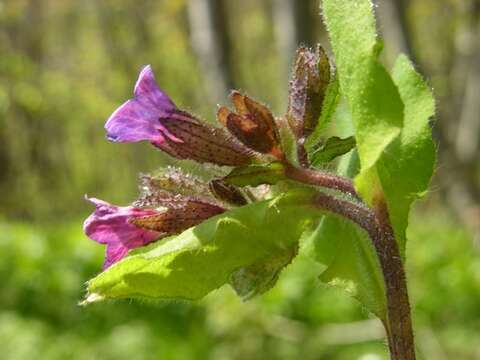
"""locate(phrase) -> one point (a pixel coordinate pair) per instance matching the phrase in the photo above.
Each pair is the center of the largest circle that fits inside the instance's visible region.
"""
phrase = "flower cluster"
(172, 201)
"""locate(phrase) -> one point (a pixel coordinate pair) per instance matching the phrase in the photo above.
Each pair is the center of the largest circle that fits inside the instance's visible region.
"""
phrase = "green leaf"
(351, 262)
(288, 141)
(330, 102)
(348, 253)
(254, 175)
(374, 101)
(261, 276)
(407, 165)
(332, 148)
(203, 258)
(390, 116)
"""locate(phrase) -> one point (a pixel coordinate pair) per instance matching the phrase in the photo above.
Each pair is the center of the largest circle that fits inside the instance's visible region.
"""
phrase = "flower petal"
(137, 118)
(110, 225)
(114, 253)
(125, 228)
(146, 88)
(152, 116)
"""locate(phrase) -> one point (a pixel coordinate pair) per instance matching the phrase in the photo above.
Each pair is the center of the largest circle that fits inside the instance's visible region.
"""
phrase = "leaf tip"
(91, 298)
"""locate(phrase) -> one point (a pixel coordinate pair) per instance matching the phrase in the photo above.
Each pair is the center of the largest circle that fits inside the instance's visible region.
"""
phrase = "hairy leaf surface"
(374, 101)
(351, 261)
(348, 253)
(390, 114)
(407, 165)
(203, 258)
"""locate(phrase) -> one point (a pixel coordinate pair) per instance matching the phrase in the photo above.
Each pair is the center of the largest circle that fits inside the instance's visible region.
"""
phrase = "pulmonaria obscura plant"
(269, 195)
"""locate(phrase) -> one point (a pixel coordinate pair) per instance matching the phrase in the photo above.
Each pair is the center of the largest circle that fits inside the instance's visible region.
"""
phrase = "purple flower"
(152, 116)
(125, 228)
(111, 225)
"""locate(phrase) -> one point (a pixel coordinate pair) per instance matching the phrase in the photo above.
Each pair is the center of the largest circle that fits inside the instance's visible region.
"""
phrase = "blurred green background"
(66, 65)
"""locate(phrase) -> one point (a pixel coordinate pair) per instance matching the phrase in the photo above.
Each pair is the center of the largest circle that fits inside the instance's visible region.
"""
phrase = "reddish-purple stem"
(398, 323)
(323, 179)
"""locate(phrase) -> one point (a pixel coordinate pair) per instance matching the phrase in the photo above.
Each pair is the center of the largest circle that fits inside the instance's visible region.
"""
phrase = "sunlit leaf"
(407, 165)
(204, 257)
(395, 149)
(390, 115)
(373, 98)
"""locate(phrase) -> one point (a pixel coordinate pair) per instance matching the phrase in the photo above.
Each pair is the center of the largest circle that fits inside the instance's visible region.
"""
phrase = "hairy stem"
(314, 177)
(398, 323)
(302, 153)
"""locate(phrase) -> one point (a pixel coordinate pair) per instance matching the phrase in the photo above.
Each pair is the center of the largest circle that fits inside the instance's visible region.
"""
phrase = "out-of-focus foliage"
(42, 268)
(65, 66)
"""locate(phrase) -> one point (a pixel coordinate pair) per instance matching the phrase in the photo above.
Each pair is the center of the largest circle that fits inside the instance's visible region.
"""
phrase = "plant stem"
(314, 177)
(302, 153)
(398, 322)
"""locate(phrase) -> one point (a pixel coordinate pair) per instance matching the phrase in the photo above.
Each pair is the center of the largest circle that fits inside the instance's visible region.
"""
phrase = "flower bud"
(226, 192)
(175, 220)
(253, 124)
(311, 76)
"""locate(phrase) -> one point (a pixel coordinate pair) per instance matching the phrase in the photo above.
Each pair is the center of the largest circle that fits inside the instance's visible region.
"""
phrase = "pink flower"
(152, 116)
(125, 228)
(111, 225)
